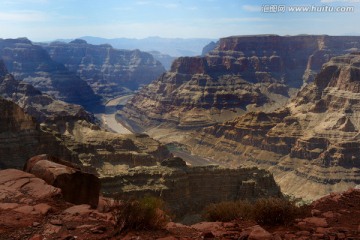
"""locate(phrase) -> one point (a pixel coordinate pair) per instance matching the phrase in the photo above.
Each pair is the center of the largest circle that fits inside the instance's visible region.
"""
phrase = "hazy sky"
(41, 20)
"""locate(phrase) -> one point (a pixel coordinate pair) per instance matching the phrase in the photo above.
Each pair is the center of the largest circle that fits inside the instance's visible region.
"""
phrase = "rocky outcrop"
(32, 209)
(21, 137)
(208, 48)
(31, 63)
(110, 72)
(78, 141)
(188, 189)
(242, 73)
(76, 186)
(165, 59)
(310, 145)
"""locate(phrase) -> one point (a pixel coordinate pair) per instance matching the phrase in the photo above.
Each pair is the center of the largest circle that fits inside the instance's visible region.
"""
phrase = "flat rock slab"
(16, 184)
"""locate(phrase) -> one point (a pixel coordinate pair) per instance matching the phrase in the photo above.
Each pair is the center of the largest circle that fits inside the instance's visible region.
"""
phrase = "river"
(109, 122)
(108, 119)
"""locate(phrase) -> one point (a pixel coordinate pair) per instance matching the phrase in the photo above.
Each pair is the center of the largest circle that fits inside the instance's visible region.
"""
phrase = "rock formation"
(242, 73)
(110, 72)
(43, 107)
(32, 64)
(32, 209)
(76, 186)
(21, 138)
(71, 138)
(311, 145)
(188, 189)
(165, 59)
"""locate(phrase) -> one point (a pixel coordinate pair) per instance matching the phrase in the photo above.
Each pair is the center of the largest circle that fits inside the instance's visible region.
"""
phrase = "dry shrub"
(143, 214)
(228, 211)
(276, 211)
(267, 211)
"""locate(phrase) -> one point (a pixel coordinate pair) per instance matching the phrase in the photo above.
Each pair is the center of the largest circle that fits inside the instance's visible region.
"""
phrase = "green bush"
(267, 211)
(143, 214)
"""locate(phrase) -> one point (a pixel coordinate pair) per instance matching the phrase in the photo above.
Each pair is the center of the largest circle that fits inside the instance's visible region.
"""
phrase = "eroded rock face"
(76, 187)
(42, 107)
(242, 73)
(21, 138)
(313, 142)
(110, 72)
(188, 189)
(32, 64)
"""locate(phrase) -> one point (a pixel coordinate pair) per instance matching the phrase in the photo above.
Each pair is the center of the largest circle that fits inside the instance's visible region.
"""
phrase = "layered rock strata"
(21, 138)
(310, 145)
(242, 73)
(31, 63)
(188, 189)
(110, 72)
(41, 106)
(76, 140)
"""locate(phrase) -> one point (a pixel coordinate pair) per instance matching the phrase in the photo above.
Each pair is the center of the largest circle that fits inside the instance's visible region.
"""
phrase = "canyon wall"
(41, 106)
(311, 145)
(32, 64)
(241, 74)
(189, 189)
(110, 72)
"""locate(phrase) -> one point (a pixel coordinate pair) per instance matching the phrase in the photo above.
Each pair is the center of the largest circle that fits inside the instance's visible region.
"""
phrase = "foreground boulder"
(77, 187)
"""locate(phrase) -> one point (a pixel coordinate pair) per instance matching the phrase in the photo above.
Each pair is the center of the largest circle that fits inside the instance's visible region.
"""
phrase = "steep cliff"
(79, 141)
(110, 72)
(21, 138)
(32, 64)
(311, 145)
(188, 189)
(43, 107)
(242, 73)
(66, 131)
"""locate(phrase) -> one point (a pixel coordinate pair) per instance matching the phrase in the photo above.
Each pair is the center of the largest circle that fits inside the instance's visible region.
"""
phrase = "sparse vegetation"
(143, 214)
(268, 211)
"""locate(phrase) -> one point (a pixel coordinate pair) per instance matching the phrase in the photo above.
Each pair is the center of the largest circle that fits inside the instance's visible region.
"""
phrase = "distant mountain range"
(174, 47)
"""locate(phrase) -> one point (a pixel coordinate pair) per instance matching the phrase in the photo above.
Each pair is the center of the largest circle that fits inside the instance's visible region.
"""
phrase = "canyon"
(310, 145)
(63, 131)
(31, 63)
(108, 71)
(263, 115)
(241, 74)
(238, 106)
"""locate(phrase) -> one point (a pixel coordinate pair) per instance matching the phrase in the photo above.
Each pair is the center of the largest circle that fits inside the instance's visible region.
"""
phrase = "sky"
(46, 20)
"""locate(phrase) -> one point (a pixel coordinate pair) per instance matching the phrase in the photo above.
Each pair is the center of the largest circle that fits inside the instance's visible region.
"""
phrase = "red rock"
(168, 238)
(316, 221)
(258, 233)
(77, 187)
(323, 230)
(290, 236)
(16, 184)
(303, 233)
(315, 212)
(7, 206)
(215, 228)
(36, 237)
(341, 235)
(56, 222)
(42, 208)
(83, 209)
(25, 210)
